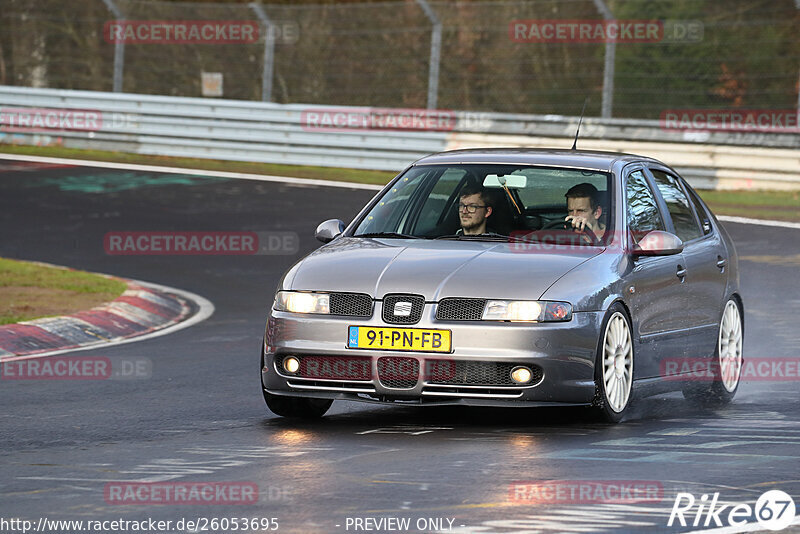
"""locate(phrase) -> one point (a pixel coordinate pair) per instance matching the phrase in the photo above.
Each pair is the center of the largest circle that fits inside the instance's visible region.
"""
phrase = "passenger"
(584, 210)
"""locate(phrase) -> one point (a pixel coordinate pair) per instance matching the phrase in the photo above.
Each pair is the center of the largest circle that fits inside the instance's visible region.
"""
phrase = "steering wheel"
(587, 235)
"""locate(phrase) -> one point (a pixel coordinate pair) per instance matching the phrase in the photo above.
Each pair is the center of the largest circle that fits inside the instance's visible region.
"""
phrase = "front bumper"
(564, 352)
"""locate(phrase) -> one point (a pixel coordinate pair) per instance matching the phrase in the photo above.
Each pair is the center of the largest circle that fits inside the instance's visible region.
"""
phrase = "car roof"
(583, 159)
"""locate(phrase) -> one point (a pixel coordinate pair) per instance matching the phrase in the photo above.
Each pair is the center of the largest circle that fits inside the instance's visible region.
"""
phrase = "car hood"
(433, 268)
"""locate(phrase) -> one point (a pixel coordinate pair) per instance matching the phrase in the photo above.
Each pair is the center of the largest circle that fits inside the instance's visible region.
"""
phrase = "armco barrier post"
(119, 48)
(269, 51)
(797, 5)
(436, 53)
(608, 68)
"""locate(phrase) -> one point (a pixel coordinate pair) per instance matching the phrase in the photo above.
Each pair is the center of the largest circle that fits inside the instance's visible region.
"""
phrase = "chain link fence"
(745, 55)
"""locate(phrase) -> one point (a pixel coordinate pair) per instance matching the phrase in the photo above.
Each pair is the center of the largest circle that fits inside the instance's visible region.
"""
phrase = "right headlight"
(527, 310)
(302, 302)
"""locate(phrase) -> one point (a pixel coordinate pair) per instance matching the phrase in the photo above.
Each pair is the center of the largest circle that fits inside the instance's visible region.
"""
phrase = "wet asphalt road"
(200, 416)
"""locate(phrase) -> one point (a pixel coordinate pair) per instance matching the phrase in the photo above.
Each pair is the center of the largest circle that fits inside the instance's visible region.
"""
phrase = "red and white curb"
(143, 311)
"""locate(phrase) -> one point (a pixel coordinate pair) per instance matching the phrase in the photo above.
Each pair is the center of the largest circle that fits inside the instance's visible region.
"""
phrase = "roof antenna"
(575, 142)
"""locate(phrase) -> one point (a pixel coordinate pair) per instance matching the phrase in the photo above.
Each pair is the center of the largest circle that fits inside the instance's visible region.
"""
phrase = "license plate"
(416, 339)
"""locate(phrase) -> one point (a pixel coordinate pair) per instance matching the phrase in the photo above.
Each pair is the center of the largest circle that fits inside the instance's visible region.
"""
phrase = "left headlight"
(302, 302)
(527, 310)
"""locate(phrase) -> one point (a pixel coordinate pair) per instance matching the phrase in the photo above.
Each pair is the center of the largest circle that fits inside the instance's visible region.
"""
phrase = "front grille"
(460, 309)
(467, 373)
(413, 304)
(332, 367)
(398, 373)
(353, 304)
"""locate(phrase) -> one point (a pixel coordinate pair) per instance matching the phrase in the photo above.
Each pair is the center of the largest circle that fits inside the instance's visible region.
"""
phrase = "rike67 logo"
(774, 510)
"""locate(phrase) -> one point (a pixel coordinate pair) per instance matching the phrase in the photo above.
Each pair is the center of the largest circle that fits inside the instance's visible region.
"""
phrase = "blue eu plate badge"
(353, 342)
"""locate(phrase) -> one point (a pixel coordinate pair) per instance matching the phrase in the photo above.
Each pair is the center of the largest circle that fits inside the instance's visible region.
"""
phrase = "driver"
(584, 210)
(474, 208)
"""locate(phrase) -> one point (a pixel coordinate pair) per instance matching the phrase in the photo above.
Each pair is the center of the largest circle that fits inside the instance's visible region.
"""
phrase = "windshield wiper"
(388, 234)
(489, 236)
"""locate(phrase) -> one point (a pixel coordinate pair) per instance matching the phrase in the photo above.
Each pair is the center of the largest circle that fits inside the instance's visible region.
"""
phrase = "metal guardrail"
(633, 129)
(217, 129)
(704, 166)
(275, 133)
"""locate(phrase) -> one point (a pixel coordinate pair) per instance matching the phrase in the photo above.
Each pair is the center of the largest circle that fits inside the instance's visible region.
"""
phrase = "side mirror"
(329, 230)
(658, 243)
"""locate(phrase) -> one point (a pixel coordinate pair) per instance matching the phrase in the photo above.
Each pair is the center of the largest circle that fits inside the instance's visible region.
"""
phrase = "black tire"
(297, 407)
(715, 394)
(601, 406)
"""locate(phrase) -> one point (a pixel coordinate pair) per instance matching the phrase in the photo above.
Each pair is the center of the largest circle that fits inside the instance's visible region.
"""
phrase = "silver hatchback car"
(512, 277)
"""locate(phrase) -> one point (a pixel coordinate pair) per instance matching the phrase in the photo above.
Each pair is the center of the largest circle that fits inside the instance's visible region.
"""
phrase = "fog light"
(291, 364)
(521, 375)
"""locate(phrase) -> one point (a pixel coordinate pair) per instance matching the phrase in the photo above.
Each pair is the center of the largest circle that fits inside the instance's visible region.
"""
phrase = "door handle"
(681, 272)
(721, 262)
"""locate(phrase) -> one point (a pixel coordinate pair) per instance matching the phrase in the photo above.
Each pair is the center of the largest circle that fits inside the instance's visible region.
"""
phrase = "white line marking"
(748, 527)
(198, 172)
(78, 479)
(284, 179)
(762, 222)
(384, 451)
(206, 309)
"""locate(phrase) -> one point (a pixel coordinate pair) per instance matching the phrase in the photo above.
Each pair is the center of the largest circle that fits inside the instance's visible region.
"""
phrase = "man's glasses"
(469, 208)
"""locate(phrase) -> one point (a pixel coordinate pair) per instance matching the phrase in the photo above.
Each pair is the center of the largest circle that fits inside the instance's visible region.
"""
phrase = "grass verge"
(776, 205)
(297, 171)
(30, 291)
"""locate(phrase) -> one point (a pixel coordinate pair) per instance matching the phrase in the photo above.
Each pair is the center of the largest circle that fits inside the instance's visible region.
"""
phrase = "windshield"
(489, 202)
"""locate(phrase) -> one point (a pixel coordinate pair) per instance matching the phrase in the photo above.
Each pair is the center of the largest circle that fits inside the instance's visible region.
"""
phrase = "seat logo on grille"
(402, 309)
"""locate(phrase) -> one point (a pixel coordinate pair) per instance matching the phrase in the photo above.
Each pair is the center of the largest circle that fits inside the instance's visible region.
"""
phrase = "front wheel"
(297, 407)
(614, 367)
(727, 364)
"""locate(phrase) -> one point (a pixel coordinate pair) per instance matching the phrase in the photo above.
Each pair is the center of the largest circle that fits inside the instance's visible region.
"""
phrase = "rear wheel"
(614, 367)
(298, 407)
(727, 364)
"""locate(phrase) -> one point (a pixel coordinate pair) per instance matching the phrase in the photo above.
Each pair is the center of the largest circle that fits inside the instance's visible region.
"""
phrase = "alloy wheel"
(617, 362)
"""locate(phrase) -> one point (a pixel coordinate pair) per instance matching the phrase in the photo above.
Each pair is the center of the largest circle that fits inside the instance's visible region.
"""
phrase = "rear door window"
(705, 223)
(683, 218)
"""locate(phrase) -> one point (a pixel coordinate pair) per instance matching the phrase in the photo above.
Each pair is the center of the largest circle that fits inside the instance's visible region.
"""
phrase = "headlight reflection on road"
(292, 437)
